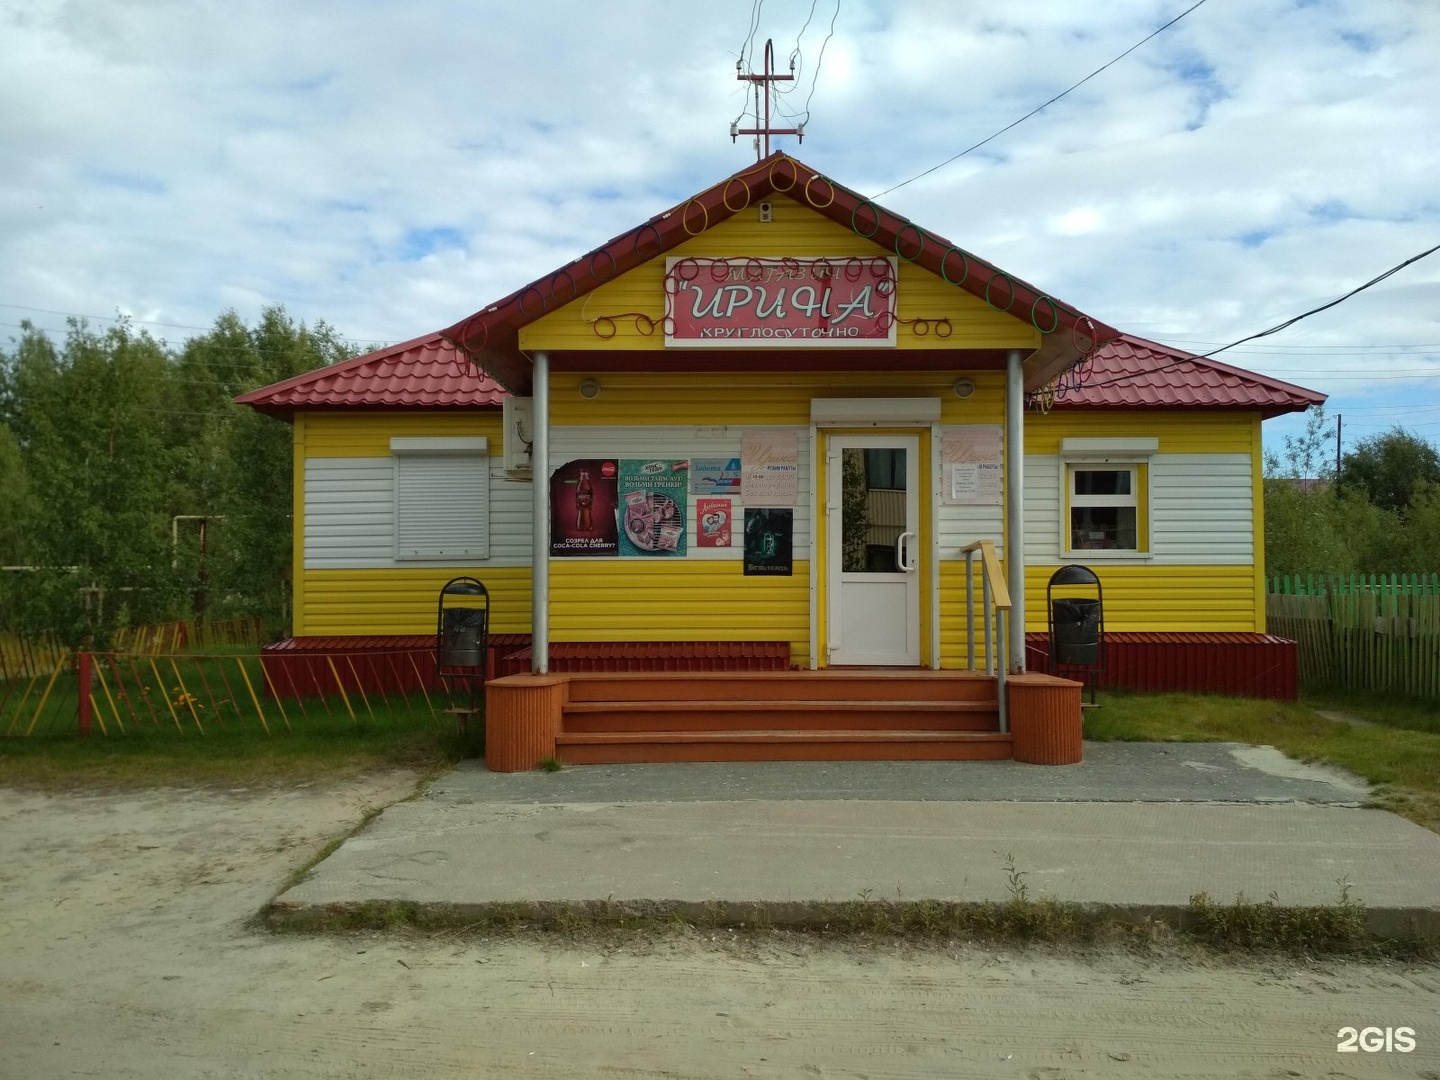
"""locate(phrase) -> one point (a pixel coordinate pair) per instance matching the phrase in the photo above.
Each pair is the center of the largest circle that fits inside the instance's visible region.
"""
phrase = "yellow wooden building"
(778, 413)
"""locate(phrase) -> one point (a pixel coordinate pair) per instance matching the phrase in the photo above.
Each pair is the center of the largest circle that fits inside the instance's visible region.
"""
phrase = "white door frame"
(890, 601)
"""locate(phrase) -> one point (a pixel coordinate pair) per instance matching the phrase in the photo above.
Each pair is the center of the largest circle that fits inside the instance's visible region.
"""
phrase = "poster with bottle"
(584, 503)
(713, 519)
(652, 506)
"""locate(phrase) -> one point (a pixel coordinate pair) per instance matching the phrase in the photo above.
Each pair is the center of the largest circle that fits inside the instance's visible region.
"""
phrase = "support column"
(540, 482)
(1015, 503)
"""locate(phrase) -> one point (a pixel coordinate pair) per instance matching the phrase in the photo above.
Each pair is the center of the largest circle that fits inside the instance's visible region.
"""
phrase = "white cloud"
(391, 168)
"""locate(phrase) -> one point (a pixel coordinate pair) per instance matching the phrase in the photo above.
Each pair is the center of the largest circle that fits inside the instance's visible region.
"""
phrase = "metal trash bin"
(1077, 625)
(463, 638)
(462, 620)
(1076, 634)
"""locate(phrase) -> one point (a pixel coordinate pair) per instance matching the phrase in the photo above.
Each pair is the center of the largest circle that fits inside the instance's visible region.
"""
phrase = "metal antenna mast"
(764, 129)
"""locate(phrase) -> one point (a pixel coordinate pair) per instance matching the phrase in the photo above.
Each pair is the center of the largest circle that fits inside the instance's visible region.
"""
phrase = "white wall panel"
(1201, 510)
(350, 517)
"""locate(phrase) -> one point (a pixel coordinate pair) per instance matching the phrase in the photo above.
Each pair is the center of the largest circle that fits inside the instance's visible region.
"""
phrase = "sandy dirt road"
(125, 951)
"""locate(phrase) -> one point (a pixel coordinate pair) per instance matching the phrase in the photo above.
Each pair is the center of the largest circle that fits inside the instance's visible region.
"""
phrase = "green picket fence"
(1378, 632)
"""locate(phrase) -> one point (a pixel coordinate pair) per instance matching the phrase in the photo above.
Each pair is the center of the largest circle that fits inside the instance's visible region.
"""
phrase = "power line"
(1047, 104)
(1274, 329)
(820, 61)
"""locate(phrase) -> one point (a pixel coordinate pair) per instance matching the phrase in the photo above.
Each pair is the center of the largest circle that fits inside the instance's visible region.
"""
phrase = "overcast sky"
(390, 168)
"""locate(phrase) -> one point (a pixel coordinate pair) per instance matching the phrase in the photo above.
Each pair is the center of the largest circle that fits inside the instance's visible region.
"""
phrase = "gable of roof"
(1134, 373)
(490, 337)
(423, 373)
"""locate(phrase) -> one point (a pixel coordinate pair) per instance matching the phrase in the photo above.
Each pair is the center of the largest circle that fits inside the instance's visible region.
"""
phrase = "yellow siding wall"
(1179, 598)
(368, 434)
(796, 231)
(1179, 433)
(1137, 598)
(402, 600)
(759, 398)
(662, 600)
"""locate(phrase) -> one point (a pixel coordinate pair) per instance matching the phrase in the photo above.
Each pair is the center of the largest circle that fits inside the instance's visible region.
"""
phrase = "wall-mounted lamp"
(589, 389)
(963, 388)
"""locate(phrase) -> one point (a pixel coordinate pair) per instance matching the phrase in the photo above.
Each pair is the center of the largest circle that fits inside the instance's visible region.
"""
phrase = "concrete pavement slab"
(1110, 772)
(1137, 827)
(800, 856)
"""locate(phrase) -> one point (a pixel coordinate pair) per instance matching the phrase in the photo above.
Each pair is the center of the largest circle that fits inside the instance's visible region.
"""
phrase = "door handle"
(901, 550)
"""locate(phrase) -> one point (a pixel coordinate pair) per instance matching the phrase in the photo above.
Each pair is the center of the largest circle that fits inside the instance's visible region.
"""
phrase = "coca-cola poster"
(584, 504)
(652, 506)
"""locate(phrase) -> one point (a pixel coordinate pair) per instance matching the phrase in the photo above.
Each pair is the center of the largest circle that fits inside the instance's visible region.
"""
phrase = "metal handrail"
(996, 611)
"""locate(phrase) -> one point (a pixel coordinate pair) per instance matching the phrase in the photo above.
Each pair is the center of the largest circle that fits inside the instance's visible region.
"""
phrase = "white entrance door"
(873, 549)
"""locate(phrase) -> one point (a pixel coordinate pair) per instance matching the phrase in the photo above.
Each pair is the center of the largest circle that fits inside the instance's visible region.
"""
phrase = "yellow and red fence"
(115, 693)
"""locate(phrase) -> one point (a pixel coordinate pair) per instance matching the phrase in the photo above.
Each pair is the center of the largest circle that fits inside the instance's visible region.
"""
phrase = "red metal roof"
(425, 372)
(1133, 373)
(491, 335)
(1128, 373)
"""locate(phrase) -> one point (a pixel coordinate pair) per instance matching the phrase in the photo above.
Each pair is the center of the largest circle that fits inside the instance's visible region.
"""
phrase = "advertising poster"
(715, 476)
(652, 506)
(769, 542)
(971, 459)
(713, 518)
(583, 502)
(770, 468)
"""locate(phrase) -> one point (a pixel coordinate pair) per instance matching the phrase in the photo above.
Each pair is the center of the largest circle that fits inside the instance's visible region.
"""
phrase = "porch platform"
(853, 714)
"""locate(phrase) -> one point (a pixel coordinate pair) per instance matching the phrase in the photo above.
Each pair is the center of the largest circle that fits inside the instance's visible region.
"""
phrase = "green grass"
(1398, 712)
(325, 746)
(1398, 754)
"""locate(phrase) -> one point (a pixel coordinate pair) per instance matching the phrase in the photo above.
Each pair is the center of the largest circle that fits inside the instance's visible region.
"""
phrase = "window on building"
(442, 499)
(1104, 507)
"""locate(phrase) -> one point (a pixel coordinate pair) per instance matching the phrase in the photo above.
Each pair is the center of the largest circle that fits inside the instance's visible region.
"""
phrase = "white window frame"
(442, 499)
(1131, 455)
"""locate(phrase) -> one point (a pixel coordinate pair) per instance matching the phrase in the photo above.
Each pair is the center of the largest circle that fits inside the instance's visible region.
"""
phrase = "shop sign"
(770, 467)
(814, 302)
(970, 460)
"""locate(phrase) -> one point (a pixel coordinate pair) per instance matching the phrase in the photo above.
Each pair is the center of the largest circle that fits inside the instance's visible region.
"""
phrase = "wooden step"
(860, 684)
(597, 748)
(723, 715)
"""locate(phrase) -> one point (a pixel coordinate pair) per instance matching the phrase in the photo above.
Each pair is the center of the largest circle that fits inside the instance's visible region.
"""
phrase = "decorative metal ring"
(812, 202)
(659, 240)
(1008, 281)
(685, 218)
(595, 263)
(725, 193)
(1054, 312)
(919, 235)
(964, 266)
(526, 311)
(854, 215)
(794, 175)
